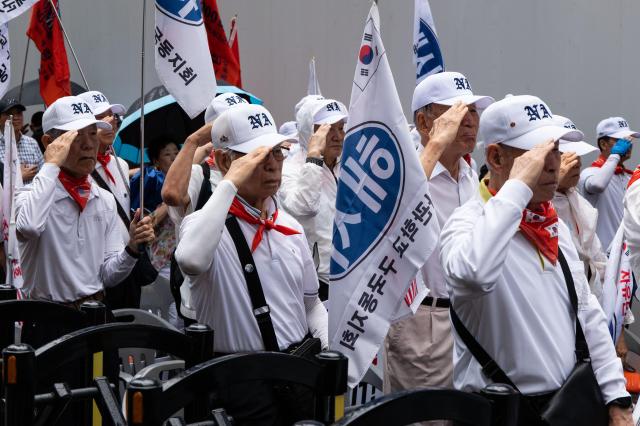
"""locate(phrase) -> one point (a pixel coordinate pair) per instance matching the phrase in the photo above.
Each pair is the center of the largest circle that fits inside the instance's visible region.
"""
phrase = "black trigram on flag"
(368, 37)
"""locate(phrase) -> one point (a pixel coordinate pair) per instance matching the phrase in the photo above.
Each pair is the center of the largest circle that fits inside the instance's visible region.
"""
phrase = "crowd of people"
(238, 225)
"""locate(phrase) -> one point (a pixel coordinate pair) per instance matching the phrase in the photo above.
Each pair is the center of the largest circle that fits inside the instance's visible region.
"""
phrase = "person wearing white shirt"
(605, 182)
(67, 226)
(242, 211)
(503, 260)
(419, 349)
(310, 179)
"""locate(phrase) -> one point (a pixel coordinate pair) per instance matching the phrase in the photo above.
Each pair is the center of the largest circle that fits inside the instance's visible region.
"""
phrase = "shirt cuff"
(228, 186)
(516, 192)
(49, 170)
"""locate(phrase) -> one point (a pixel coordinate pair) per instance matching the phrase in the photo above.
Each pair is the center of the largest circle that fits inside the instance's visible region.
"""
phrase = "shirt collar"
(272, 206)
(62, 193)
(464, 169)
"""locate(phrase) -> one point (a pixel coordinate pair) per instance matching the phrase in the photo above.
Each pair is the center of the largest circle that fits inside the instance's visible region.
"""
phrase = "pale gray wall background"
(580, 56)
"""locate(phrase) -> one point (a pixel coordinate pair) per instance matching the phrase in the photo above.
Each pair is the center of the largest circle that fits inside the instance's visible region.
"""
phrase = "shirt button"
(248, 268)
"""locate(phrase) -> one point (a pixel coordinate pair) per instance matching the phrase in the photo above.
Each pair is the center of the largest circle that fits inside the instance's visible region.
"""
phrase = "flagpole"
(66, 37)
(9, 152)
(144, 8)
(24, 68)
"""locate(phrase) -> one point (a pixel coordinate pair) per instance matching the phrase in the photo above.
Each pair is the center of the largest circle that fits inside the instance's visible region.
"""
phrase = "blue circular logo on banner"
(369, 194)
(186, 11)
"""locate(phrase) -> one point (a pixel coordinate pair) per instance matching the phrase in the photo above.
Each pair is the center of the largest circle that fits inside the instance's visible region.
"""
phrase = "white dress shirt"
(67, 254)
(207, 253)
(515, 302)
(447, 195)
(606, 196)
(118, 189)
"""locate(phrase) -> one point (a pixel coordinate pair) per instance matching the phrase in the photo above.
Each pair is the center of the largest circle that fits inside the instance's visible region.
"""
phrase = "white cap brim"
(480, 101)
(115, 108)
(543, 134)
(270, 140)
(580, 148)
(331, 119)
(84, 122)
(624, 134)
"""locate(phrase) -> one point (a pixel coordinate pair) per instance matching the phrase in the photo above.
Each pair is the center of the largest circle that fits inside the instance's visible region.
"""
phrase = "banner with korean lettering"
(617, 288)
(12, 179)
(180, 40)
(385, 227)
(10, 9)
(313, 87)
(426, 50)
(5, 59)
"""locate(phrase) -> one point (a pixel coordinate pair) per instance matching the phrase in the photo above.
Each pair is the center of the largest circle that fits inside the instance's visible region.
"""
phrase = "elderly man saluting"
(516, 282)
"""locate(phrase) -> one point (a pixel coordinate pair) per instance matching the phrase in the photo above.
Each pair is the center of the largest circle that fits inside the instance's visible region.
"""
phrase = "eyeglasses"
(279, 152)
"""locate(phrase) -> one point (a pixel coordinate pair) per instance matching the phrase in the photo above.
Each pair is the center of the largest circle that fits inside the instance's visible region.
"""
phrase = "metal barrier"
(149, 403)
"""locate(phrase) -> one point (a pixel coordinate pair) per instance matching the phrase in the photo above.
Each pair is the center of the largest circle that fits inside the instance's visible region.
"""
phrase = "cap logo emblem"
(259, 120)
(537, 112)
(333, 106)
(623, 124)
(462, 83)
(235, 100)
(570, 126)
(99, 99)
(81, 108)
(223, 138)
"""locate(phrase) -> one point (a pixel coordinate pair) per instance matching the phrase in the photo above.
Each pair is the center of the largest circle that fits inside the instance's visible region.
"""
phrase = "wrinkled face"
(166, 156)
(18, 119)
(335, 139)
(81, 159)
(106, 137)
(465, 141)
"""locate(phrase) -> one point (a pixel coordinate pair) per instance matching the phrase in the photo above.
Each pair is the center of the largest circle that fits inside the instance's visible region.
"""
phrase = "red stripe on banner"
(411, 293)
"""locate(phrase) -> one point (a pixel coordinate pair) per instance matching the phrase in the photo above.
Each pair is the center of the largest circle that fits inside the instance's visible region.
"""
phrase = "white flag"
(313, 87)
(183, 62)
(385, 226)
(618, 284)
(5, 59)
(426, 49)
(10, 9)
(12, 182)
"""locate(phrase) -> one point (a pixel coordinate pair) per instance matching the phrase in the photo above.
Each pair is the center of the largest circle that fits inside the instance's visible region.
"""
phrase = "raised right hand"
(57, 151)
(445, 127)
(242, 168)
(621, 147)
(318, 141)
(203, 135)
(528, 167)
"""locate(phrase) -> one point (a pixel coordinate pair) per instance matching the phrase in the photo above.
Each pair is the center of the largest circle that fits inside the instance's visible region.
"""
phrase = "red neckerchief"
(467, 158)
(634, 177)
(104, 159)
(211, 159)
(541, 229)
(239, 211)
(78, 188)
(619, 169)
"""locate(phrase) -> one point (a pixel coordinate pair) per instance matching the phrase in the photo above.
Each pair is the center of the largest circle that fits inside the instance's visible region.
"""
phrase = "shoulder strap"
(258, 303)
(582, 349)
(205, 188)
(489, 367)
(123, 215)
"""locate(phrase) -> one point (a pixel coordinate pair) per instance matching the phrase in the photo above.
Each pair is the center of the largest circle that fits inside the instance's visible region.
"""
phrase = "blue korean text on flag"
(12, 180)
(180, 40)
(385, 226)
(426, 49)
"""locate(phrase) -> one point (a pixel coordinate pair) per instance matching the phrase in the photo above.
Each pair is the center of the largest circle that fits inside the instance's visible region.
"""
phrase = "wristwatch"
(315, 160)
(624, 402)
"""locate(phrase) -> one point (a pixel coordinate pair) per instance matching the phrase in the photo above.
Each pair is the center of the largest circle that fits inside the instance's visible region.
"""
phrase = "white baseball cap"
(304, 100)
(522, 122)
(220, 104)
(329, 111)
(615, 127)
(290, 130)
(99, 103)
(581, 147)
(245, 128)
(446, 88)
(70, 113)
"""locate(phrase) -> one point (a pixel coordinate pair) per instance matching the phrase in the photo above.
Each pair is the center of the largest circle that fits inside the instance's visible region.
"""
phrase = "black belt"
(440, 303)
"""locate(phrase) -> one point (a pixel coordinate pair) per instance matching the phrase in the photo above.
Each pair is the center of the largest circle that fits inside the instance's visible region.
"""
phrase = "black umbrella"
(31, 92)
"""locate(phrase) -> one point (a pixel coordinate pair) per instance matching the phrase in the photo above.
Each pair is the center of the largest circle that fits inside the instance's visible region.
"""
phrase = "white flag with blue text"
(10, 9)
(5, 59)
(183, 62)
(385, 226)
(426, 49)
(12, 179)
(313, 87)
(617, 287)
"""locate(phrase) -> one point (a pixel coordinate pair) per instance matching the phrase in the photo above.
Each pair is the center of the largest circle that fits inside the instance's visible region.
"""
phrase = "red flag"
(224, 61)
(44, 29)
(233, 42)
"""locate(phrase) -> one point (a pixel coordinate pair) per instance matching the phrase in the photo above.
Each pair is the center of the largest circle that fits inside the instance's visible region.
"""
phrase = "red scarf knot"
(78, 188)
(104, 159)
(211, 159)
(238, 210)
(619, 169)
(634, 177)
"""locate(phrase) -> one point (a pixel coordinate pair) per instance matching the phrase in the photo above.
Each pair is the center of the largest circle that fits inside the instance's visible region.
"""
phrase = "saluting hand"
(242, 168)
(318, 141)
(445, 127)
(203, 135)
(140, 231)
(528, 167)
(57, 151)
(568, 161)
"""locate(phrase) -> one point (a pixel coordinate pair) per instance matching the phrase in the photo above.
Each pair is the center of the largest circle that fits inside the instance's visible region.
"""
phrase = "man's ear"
(46, 140)
(494, 157)
(223, 162)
